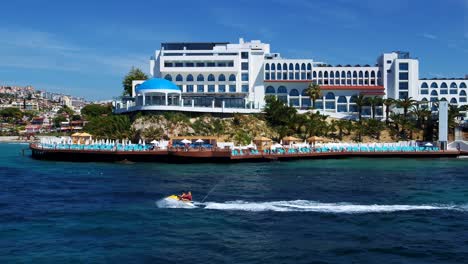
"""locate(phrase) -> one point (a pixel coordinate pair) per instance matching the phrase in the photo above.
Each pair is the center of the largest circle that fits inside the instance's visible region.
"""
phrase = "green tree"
(75, 117)
(94, 110)
(58, 120)
(316, 124)
(314, 92)
(242, 137)
(11, 114)
(279, 116)
(360, 102)
(373, 128)
(453, 113)
(66, 110)
(374, 102)
(389, 102)
(133, 75)
(113, 127)
(406, 104)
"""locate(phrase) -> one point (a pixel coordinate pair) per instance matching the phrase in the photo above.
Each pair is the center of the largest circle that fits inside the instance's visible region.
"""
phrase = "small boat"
(177, 198)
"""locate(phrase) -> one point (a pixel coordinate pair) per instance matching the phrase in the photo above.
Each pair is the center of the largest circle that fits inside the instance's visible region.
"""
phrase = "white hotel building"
(228, 78)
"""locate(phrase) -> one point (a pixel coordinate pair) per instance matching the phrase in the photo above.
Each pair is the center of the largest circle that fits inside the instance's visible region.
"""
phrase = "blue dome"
(156, 84)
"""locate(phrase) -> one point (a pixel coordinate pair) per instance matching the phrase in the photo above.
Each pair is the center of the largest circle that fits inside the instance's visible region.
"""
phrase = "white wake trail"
(313, 206)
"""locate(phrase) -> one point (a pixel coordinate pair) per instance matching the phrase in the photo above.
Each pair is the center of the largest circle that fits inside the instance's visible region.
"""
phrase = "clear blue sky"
(85, 47)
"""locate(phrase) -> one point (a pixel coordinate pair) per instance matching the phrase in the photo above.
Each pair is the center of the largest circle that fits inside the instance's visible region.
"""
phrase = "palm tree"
(453, 113)
(388, 105)
(314, 92)
(406, 104)
(374, 102)
(360, 102)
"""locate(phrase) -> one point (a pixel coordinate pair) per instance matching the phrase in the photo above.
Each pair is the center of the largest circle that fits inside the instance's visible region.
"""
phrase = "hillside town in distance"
(26, 111)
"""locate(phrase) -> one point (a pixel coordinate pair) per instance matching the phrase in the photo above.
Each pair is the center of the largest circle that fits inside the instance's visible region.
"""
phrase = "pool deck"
(219, 155)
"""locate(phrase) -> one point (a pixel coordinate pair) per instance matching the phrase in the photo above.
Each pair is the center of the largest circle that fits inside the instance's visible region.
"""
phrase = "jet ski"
(177, 198)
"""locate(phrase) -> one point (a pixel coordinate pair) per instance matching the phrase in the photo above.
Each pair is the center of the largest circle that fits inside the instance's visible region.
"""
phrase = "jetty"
(140, 153)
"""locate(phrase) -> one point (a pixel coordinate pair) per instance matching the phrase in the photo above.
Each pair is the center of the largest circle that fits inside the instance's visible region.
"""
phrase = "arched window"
(304, 92)
(278, 67)
(294, 92)
(343, 74)
(330, 96)
(342, 100)
(285, 66)
(303, 66)
(366, 74)
(353, 99)
(332, 74)
(179, 78)
(309, 66)
(200, 78)
(434, 93)
(190, 78)
(296, 67)
(443, 85)
(267, 67)
(320, 74)
(291, 66)
(434, 85)
(462, 98)
(424, 85)
(330, 101)
(424, 99)
(211, 78)
(221, 78)
(315, 74)
(232, 78)
(270, 90)
(462, 85)
(453, 85)
(273, 67)
(372, 74)
(325, 74)
(354, 74)
(168, 77)
(361, 74)
(453, 101)
(348, 75)
(282, 90)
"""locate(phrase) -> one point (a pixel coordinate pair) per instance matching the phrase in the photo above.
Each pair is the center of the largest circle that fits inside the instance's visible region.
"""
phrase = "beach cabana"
(291, 140)
(81, 138)
(316, 139)
(262, 142)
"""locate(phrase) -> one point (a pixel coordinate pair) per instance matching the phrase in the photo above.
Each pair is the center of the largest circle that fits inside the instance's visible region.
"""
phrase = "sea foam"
(313, 206)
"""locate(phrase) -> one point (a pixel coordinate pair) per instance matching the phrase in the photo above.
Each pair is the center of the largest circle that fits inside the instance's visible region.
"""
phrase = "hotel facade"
(222, 77)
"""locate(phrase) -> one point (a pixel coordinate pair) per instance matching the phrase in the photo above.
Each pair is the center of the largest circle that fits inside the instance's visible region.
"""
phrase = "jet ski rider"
(186, 196)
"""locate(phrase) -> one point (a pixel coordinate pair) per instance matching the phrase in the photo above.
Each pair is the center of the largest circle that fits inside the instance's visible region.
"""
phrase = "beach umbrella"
(428, 144)
(199, 141)
(139, 141)
(154, 142)
(186, 141)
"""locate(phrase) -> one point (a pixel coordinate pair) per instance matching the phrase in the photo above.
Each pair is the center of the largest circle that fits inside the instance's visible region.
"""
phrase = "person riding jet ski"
(185, 196)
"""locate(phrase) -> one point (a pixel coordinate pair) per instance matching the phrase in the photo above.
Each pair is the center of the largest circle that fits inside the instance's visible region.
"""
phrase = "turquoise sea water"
(323, 211)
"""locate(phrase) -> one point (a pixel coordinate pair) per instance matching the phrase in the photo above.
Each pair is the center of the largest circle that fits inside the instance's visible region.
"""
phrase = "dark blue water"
(324, 211)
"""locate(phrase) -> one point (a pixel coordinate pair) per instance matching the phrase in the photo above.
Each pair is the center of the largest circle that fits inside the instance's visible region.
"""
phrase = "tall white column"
(166, 99)
(336, 104)
(300, 100)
